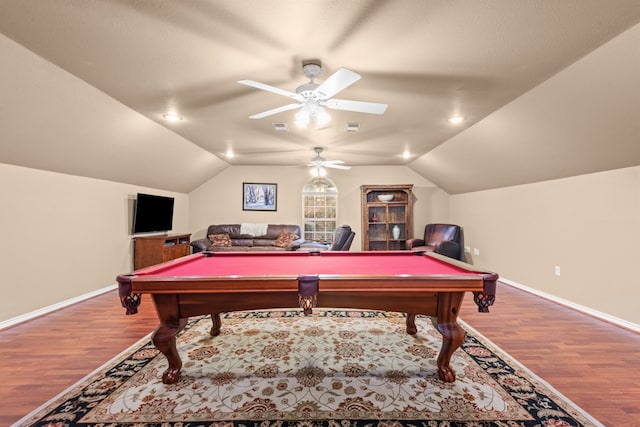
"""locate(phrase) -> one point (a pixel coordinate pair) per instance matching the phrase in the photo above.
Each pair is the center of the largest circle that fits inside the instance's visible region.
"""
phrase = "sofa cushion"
(263, 242)
(228, 249)
(233, 230)
(220, 240)
(285, 239)
(266, 249)
(242, 242)
(274, 230)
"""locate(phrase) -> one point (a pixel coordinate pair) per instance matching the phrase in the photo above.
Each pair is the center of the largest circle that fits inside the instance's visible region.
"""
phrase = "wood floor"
(593, 363)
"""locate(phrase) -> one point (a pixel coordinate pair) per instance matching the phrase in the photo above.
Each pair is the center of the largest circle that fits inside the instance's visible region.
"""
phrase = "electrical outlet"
(556, 271)
(476, 251)
(467, 249)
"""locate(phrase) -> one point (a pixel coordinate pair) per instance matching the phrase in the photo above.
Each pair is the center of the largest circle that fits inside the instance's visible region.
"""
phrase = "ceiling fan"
(311, 97)
(321, 162)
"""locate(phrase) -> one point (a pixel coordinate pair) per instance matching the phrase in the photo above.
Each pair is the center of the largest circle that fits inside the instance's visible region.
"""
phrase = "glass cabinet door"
(386, 217)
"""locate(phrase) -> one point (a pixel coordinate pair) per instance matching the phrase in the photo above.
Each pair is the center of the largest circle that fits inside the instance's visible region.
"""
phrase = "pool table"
(214, 283)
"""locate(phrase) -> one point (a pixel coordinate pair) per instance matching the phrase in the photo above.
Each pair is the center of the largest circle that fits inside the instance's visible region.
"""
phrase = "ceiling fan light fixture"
(311, 96)
(312, 112)
(302, 118)
(318, 171)
(321, 117)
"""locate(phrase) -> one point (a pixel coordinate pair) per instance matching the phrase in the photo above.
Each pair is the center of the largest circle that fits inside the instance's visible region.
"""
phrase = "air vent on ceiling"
(352, 127)
(280, 127)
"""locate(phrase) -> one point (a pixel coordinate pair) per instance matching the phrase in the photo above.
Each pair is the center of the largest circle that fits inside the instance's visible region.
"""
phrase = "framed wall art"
(259, 196)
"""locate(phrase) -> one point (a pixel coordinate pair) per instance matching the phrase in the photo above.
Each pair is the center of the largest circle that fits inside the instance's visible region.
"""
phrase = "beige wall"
(587, 225)
(64, 236)
(219, 200)
(67, 236)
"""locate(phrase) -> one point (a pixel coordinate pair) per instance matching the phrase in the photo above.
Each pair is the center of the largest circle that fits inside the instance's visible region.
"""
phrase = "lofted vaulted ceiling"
(519, 72)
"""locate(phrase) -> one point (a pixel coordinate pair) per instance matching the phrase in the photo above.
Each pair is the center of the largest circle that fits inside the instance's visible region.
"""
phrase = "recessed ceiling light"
(406, 155)
(229, 154)
(455, 120)
(171, 117)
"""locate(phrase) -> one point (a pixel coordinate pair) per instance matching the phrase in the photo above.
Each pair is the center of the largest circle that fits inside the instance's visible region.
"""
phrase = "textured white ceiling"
(536, 85)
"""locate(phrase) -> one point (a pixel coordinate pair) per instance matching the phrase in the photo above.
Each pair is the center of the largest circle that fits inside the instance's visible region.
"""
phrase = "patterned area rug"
(334, 368)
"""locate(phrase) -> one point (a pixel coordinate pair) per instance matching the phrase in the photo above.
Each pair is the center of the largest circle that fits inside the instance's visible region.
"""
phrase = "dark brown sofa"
(236, 241)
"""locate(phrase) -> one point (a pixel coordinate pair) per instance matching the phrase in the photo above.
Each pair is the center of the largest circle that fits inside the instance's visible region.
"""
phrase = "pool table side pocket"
(308, 287)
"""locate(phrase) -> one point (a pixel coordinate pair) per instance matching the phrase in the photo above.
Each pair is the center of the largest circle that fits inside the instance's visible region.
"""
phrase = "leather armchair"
(342, 239)
(445, 239)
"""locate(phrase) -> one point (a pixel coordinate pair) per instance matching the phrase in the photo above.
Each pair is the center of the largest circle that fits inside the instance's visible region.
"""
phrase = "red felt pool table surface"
(214, 283)
(302, 263)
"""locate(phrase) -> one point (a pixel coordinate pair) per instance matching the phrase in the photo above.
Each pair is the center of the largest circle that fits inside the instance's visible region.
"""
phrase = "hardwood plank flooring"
(42, 357)
(593, 363)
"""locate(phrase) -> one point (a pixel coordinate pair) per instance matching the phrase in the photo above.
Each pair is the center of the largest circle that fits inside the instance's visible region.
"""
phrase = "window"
(319, 209)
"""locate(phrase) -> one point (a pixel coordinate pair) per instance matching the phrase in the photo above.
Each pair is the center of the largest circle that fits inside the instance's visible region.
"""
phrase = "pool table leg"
(452, 334)
(164, 337)
(411, 324)
(216, 324)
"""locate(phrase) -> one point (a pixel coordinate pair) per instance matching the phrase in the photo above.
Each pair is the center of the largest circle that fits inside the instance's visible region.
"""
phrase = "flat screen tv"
(152, 213)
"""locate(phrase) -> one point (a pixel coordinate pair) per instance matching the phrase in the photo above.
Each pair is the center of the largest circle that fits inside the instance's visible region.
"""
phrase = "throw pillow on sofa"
(221, 240)
(285, 239)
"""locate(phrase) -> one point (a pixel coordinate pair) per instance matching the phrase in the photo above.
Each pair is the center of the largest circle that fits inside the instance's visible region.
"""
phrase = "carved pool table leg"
(164, 337)
(452, 334)
(216, 324)
(411, 324)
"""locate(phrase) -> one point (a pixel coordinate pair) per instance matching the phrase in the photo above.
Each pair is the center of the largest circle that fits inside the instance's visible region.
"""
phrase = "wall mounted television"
(152, 213)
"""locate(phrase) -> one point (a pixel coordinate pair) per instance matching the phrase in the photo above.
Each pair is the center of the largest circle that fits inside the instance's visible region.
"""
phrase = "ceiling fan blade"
(334, 166)
(336, 82)
(275, 111)
(358, 106)
(333, 162)
(273, 89)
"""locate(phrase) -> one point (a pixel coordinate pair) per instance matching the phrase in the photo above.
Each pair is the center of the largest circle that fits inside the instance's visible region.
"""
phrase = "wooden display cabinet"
(380, 218)
(151, 250)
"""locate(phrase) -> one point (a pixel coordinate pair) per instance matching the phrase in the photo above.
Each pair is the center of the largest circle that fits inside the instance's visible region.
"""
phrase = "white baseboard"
(45, 310)
(591, 312)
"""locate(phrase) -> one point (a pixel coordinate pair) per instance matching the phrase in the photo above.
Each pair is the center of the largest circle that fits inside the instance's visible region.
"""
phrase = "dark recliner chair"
(445, 239)
(342, 239)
